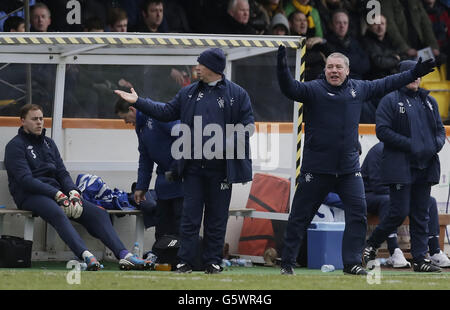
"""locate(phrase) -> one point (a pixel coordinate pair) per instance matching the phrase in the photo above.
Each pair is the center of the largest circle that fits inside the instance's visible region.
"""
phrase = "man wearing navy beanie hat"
(207, 180)
(213, 59)
(409, 124)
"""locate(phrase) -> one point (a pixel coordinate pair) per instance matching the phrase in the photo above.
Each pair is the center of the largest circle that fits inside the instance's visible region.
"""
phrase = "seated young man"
(39, 182)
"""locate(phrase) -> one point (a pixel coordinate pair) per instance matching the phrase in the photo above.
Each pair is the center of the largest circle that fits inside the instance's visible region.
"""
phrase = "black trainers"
(357, 270)
(213, 269)
(289, 271)
(183, 268)
(426, 266)
(369, 254)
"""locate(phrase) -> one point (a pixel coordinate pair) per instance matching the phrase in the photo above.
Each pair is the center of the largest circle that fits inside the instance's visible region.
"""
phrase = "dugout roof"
(86, 46)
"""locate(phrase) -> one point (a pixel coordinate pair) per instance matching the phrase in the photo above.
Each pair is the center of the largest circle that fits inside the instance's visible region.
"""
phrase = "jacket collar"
(220, 84)
(30, 136)
(422, 93)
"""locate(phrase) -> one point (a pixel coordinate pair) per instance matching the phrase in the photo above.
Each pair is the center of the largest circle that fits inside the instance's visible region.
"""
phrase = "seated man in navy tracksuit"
(377, 198)
(330, 163)
(409, 125)
(211, 155)
(155, 141)
(39, 182)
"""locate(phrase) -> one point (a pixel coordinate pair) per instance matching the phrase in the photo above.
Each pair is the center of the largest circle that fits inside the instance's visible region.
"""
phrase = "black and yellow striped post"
(298, 117)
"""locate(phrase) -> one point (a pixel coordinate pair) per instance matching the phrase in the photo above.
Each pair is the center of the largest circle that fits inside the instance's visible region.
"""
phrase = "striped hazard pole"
(298, 117)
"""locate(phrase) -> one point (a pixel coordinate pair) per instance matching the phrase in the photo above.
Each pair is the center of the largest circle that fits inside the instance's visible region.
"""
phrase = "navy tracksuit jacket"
(207, 183)
(330, 160)
(409, 125)
(36, 173)
(155, 141)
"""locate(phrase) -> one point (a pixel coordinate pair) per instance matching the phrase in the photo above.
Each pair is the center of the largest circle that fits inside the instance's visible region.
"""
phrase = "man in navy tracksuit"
(332, 106)
(207, 110)
(155, 141)
(39, 182)
(409, 124)
(378, 202)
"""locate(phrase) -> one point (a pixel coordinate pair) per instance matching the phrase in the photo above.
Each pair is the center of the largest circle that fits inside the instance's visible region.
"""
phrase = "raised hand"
(281, 56)
(423, 68)
(128, 97)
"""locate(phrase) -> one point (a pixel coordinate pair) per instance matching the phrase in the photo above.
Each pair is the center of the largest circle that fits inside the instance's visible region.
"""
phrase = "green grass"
(52, 275)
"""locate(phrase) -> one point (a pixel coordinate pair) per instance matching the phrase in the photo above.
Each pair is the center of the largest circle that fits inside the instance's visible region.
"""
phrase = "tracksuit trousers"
(95, 219)
(311, 192)
(411, 200)
(207, 196)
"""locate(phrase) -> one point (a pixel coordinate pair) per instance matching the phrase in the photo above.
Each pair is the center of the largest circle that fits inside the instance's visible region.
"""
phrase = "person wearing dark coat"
(330, 163)
(409, 125)
(341, 41)
(155, 141)
(235, 20)
(378, 202)
(384, 60)
(208, 175)
(39, 182)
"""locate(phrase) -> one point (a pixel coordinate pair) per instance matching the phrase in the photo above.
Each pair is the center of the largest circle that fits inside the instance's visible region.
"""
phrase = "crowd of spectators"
(403, 28)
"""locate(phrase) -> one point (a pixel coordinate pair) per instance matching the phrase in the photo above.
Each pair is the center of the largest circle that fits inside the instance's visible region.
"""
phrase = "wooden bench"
(29, 223)
(444, 220)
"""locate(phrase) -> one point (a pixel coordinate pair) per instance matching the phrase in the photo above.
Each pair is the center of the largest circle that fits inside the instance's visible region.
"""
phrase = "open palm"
(128, 97)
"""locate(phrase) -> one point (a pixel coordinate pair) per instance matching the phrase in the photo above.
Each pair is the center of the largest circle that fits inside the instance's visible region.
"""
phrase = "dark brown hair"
(27, 108)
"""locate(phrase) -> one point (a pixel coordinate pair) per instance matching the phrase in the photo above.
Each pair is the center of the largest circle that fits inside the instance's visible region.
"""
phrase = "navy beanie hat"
(406, 65)
(213, 59)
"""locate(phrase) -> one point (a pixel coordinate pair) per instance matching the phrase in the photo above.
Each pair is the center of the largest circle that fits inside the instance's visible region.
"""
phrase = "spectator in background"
(117, 20)
(262, 12)
(236, 21)
(279, 25)
(175, 16)
(40, 17)
(14, 24)
(315, 46)
(94, 24)
(384, 59)
(327, 7)
(409, 27)
(440, 21)
(339, 40)
(153, 16)
(311, 13)
(6, 7)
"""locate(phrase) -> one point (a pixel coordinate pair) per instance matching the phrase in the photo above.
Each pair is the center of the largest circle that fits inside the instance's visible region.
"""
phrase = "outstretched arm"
(381, 87)
(158, 110)
(289, 87)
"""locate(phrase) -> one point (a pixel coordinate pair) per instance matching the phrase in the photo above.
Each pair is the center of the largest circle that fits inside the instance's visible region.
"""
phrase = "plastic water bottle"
(226, 263)
(241, 262)
(136, 249)
(83, 266)
(327, 268)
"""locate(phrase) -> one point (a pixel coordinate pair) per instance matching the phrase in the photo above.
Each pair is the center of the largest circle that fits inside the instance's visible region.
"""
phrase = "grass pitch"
(54, 276)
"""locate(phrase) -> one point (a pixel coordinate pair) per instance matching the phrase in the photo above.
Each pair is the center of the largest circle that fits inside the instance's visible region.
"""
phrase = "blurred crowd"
(374, 43)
